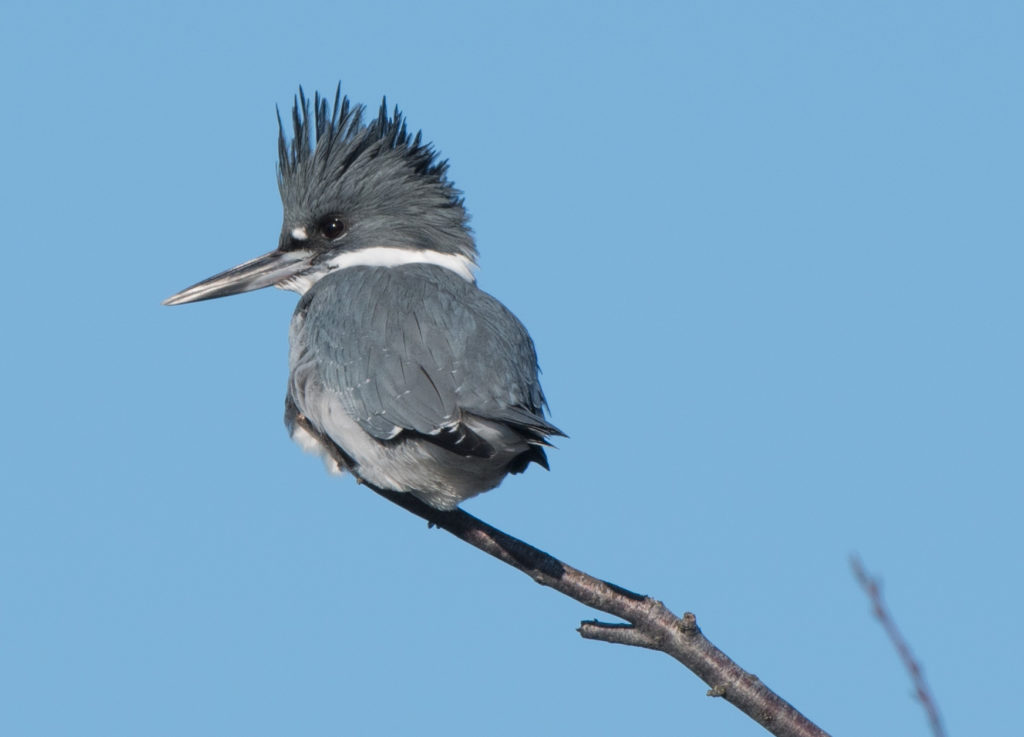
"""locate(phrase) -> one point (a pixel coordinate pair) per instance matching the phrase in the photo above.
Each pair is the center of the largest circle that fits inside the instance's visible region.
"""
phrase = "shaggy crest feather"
(386, 166)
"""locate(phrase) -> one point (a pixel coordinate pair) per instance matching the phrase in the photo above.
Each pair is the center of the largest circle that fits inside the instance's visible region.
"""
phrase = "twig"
(648, 624)
(873, 589)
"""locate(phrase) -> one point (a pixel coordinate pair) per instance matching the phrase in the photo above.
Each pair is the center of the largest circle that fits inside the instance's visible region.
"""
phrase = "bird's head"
(354, 193)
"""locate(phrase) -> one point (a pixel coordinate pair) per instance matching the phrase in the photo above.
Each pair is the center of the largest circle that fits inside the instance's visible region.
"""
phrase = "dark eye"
(331, 227)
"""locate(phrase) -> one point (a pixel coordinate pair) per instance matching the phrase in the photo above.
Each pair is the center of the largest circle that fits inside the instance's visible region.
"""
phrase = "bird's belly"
(412, 464)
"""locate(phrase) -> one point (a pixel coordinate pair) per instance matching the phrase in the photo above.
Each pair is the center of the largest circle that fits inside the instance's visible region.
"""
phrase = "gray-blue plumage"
(438, 376)
(402, 371)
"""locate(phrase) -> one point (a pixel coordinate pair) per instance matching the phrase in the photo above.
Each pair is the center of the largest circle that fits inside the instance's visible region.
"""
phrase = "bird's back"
(428, 384)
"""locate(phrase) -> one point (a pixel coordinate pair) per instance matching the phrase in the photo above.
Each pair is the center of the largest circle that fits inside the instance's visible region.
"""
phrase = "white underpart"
(406, 467)
(299, 234)
(380, 256)
(310, 444)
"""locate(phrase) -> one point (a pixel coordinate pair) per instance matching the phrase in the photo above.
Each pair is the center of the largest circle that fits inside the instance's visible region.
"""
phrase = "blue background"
(771, 258)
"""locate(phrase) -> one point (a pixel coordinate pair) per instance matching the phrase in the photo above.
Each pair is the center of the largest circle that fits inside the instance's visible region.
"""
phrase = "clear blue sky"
(771, 256)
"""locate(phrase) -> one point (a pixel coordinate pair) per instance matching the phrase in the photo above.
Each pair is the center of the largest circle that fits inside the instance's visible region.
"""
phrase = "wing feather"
(415, 349)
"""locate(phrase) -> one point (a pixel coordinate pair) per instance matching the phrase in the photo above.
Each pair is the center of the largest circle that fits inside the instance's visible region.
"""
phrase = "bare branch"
(648, 624)
(873, 589)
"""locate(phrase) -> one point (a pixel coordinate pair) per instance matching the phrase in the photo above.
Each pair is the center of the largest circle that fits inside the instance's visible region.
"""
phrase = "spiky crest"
(321, 130)
(390, 184)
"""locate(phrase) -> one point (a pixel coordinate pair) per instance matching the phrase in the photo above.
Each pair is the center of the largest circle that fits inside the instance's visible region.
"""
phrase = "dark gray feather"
(415, 348)
(390, 186)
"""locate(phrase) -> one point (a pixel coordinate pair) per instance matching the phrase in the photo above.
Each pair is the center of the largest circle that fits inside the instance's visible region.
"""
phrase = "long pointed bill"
(266, 270)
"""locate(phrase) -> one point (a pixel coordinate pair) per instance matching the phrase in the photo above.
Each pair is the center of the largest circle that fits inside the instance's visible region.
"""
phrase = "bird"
(402, 371)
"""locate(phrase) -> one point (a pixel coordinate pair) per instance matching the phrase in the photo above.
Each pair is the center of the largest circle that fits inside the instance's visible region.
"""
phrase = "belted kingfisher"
(402, 371)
